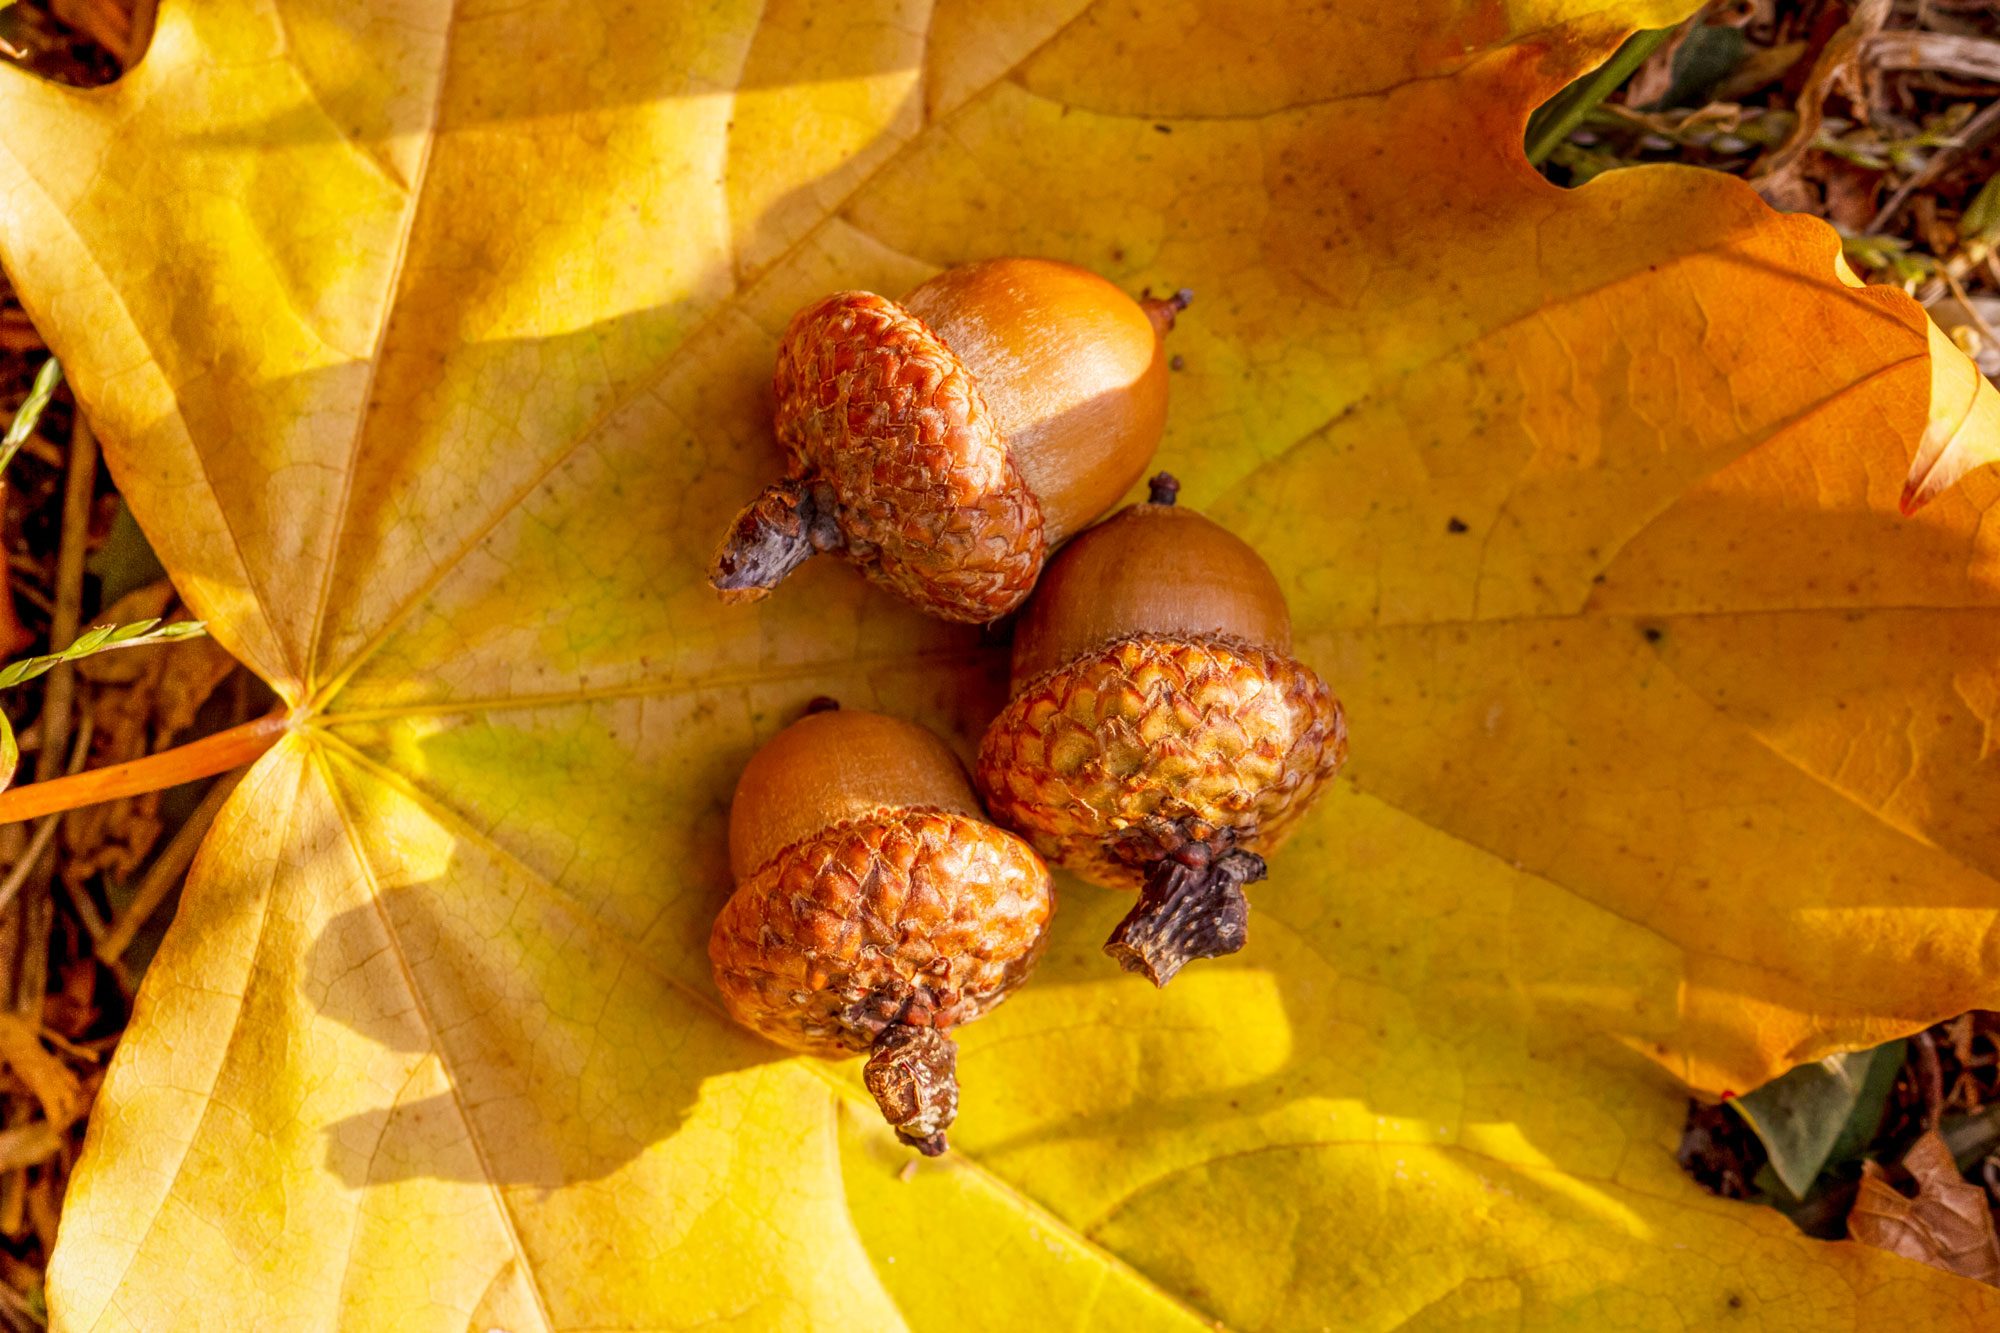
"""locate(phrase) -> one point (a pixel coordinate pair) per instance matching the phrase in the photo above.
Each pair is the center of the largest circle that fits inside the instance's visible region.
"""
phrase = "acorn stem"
(1164, 310)
(1163, 489)
(913, 1076)
(771, 536)
(1186, 911)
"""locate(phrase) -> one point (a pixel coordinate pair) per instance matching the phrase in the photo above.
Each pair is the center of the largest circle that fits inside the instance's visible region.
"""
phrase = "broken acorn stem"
(913, 1076)
(787, 525)
(1191, 907)
(1164, 310)
(1163, 489)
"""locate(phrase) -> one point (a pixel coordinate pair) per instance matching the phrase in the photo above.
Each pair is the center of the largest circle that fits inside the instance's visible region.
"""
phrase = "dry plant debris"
(1877, 115)
(1881, 118)
(1946, 1223)
(1395, 1052)
(84, 894)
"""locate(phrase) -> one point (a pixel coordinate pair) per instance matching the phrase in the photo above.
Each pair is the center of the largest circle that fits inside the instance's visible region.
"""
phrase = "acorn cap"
(871, 889)
(1126, 753)
(1071, 368)
(906, 916)
(1152, 569)
(882, 410)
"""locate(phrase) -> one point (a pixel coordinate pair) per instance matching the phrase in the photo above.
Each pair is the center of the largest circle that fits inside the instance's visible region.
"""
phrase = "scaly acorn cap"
(873, 898)
(946, 444)
(1160, 726)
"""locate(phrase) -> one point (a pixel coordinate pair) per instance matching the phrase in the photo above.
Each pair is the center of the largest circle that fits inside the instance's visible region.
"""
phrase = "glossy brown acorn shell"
(1071, 368)
(835, 765)
(924, 916)
(1153, 569)
(875, 404)
(1210, 734)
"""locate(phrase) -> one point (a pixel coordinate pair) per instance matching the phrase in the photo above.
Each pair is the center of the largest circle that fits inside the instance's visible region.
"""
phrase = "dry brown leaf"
(18, 1276)
(106, 22)
(69, 1010)
(54, 1086)
(44, 1200)
(16, 333)
(1764, 65)
(1843, 65)
(28, 1145)
(1947, 1225)
(1850, 194)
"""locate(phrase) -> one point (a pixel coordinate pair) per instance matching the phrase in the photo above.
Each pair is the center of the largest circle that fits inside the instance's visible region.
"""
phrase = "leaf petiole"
(184, 763)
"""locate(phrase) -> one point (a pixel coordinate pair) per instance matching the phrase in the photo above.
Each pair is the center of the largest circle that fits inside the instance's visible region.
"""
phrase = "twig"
(34, 905)
(164, 873)
(1840, 62)
(45, 833)
(1971, 136)
(79, 486)
(1930, 1075)
(35, 596)
(1934, 52)
(14, 1183)
(1948, 272)
(1971, 310)
(17, 1309)
(86, 910)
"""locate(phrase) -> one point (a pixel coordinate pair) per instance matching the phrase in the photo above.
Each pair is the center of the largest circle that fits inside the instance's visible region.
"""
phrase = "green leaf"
(1710, 54)
(1822, 1111)
(1871, 1105)
(126, 560)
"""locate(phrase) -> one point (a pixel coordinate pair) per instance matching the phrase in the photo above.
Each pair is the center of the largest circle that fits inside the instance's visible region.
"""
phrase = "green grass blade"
(31, 411)
(101, 639)
(1561, 114)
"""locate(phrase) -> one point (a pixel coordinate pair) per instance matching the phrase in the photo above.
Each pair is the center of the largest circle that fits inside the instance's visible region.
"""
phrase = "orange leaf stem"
(156, 772)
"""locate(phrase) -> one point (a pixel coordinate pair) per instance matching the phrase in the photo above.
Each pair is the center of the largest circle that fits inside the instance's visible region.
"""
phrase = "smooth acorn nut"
(875, 908)
(1161, 735)
(946, 444)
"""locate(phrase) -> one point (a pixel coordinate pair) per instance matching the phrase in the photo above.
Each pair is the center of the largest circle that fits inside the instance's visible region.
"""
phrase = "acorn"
(875, 908)
(1161, 735)
(947, 444)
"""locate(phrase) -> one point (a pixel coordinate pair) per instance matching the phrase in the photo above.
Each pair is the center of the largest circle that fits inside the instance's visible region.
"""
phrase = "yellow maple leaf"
(431, 347)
